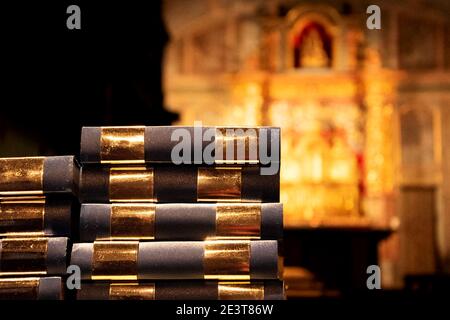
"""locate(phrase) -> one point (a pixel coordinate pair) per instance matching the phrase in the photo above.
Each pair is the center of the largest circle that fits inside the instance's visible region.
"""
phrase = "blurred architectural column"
(444, 231)
(380, 94)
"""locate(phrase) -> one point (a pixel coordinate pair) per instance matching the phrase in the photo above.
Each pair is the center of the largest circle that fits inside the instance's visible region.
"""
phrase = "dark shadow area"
(56, 80)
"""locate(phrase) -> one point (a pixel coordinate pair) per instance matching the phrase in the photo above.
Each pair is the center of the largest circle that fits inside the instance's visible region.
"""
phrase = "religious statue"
(312, 53)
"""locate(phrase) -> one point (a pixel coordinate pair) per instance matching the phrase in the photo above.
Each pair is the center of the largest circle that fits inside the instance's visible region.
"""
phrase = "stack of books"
(178, 213)
(37, 198)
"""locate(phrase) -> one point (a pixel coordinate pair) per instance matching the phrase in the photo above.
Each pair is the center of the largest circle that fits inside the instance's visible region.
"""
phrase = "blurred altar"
(361, 111)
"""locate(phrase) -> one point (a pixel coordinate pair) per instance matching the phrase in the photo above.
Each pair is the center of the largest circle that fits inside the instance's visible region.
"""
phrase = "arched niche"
(316, 29)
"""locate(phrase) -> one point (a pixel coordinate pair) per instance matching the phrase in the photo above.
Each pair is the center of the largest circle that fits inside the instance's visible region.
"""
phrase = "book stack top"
(179, 164)
(158, 144)
(35, 176)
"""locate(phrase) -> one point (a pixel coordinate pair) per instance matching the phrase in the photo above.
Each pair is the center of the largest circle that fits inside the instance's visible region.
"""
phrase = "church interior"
(364, 114)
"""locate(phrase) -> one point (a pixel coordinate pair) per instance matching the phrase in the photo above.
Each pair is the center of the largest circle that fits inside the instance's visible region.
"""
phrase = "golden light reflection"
(322, 140)
(336, 121)
(320, 175)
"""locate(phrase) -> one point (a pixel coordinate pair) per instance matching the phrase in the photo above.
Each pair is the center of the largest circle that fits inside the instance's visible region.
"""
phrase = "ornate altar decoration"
(308, 74)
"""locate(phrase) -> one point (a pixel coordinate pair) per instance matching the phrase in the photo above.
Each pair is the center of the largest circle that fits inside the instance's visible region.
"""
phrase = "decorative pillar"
(380, 159)
(379, 100)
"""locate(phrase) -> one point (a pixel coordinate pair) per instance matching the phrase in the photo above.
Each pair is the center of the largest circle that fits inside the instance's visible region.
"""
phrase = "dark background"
(55, 80)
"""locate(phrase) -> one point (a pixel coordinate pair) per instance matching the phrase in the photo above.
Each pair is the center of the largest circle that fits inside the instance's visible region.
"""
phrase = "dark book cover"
(32, 288)
(38, 175)
(182, 290)
(100, 184)
(181, 221)
(33, 256)
(207, 260)
(140, 144)
(38, 216)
